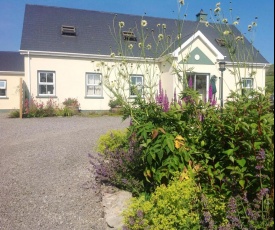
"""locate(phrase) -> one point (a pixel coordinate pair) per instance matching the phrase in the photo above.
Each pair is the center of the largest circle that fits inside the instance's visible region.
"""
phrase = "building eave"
(12, 73)
(87, 56)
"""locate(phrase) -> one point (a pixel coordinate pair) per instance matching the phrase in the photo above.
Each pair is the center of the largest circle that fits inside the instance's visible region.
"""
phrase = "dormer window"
(129, 36)
(68, 30)
(221, 42)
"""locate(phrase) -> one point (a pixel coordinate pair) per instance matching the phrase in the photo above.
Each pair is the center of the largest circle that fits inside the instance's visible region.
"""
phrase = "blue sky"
(12, 14)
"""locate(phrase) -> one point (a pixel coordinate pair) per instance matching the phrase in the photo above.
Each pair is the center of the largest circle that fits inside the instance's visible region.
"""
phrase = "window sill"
(46, 96)
(3, 97)
(96, 97)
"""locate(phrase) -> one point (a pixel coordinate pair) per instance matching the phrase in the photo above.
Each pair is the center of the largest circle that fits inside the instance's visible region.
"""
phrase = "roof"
(11, 61)
(42, 31)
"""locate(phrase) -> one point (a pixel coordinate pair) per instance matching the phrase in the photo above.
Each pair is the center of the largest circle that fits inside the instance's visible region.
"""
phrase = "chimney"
(201, 16)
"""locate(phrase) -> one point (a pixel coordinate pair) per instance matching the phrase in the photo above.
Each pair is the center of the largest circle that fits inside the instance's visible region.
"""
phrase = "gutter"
(87, 56)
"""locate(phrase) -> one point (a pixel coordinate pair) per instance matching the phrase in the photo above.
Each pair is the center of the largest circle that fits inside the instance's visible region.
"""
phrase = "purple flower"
(190, 83)
(261, 155)
(140, 213)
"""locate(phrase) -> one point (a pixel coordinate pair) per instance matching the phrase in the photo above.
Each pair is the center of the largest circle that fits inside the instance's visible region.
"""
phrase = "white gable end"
(200, 35)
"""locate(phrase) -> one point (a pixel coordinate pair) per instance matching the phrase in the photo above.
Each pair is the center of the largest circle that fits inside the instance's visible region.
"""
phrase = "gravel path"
(45, 182)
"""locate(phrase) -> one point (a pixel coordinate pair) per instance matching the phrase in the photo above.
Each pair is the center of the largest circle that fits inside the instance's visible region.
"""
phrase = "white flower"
(143, 23)
(112, 54)
(160, 36)
(181, 2)
(226, 32)
(121, 24)
(218, 4)
(249, 27)
(164, 26)
(254, 24)
(236, 23)
(179, 36)
(225, 20)
(139, 44)
(130, 46)
(239, 38)
(218, 9)
(149, 46)
(206, 24)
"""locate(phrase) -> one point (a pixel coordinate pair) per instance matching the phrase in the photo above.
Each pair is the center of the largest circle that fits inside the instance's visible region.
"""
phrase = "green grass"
(269, 83)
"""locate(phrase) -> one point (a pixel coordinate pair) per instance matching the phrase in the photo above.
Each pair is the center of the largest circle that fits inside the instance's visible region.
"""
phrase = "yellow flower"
(143, 23)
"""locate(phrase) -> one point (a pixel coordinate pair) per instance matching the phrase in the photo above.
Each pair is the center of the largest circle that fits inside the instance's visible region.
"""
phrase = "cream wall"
(70, 77)
(11, 101)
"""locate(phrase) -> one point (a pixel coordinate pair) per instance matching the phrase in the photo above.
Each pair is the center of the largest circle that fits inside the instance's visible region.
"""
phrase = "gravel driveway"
(45, 182)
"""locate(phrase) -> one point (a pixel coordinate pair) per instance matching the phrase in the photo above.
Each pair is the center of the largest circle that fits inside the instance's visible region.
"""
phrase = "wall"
(11, 101)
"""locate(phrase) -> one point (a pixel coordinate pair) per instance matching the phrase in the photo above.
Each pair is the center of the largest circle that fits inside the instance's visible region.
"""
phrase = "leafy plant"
(113, 103)
(170, 207)
(112, 140)
(71, 102)
(121, 167)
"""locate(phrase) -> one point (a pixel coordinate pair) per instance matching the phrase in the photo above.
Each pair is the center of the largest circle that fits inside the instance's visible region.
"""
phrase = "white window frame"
(94, 85)
(140, 85)
(40, 83)
(3, 88)
(245, 80)
(246, 88)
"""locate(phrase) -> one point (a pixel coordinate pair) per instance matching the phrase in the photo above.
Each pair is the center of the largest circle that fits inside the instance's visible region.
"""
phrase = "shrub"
(112, 140)
(170, 207)
(14, 114)
(113, 103)
(71, 102)
(121, 167)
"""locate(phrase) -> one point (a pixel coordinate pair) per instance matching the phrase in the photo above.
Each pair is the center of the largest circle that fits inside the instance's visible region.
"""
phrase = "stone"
(114, 202)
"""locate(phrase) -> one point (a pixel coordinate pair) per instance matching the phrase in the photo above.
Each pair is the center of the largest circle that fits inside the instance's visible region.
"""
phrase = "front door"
(199, 82)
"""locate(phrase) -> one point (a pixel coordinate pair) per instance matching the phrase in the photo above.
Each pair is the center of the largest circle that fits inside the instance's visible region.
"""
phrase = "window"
(136, 87)
(3, 88)
(46, 83)
(247, 85)
(129, 36)
(221, 42)
(68, 30)
(93, 85)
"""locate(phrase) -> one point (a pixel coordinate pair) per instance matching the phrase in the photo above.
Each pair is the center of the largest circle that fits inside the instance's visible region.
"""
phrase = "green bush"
(112, 140)
(170, 207)
(14, 114)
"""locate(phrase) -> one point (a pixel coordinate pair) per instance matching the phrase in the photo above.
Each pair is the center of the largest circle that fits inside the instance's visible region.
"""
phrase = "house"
(65, 49)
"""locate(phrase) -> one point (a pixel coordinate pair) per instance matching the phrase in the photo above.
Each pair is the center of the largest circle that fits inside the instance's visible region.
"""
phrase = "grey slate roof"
(11, 61)
(42, 31)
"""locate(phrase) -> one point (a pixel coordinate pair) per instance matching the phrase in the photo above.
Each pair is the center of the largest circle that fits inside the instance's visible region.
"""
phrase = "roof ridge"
(107, 12)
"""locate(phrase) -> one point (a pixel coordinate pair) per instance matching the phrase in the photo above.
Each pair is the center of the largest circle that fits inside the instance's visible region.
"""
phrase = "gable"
(197, 57)
(199, 35)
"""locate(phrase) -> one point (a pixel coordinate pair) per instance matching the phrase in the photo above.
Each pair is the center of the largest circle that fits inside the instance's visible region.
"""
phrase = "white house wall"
(12, 100)
(70, 78)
